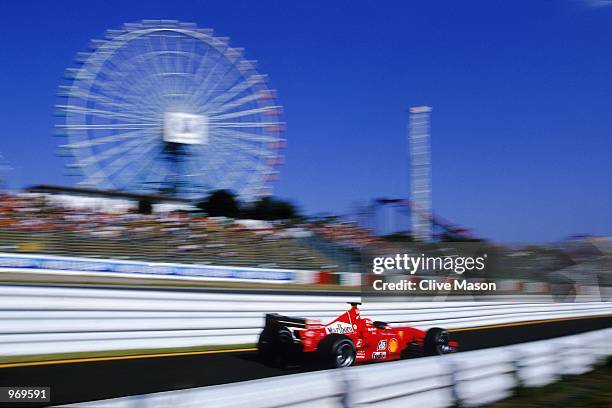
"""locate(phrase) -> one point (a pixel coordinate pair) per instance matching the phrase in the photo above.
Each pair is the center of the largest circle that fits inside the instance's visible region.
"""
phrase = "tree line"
(223, 203)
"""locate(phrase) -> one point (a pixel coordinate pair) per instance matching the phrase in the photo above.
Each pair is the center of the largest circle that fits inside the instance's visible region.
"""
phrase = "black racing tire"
(274, 346)
(265, 347)
(436, 342)
(337, 351)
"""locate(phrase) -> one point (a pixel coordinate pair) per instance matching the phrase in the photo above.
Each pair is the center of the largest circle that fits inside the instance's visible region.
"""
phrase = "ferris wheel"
(166, 107)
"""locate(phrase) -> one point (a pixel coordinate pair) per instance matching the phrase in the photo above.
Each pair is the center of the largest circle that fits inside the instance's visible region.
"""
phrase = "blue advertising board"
(40, 262)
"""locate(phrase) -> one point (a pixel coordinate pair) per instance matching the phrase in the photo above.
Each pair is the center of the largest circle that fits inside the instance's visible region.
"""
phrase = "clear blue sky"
(521, 94)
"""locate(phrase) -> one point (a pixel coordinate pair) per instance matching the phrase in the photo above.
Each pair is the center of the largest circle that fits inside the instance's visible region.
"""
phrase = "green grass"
(591, 390)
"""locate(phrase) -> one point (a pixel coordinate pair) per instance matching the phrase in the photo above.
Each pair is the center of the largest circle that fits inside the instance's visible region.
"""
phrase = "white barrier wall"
(47, 319)
(468, 379)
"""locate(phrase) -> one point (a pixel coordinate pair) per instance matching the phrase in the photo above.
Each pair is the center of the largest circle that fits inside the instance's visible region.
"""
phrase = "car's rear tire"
(265, 347)
(274, 347)
(337, 351)
(436, 342)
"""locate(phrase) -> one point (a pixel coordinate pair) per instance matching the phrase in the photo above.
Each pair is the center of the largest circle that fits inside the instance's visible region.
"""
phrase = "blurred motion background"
(142, 150)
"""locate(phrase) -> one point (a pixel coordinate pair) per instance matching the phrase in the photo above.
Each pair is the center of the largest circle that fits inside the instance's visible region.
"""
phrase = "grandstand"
(30, 223)
(40, 224)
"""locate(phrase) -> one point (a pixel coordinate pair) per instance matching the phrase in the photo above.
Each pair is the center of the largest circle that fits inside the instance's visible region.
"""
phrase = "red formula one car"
(347, 340)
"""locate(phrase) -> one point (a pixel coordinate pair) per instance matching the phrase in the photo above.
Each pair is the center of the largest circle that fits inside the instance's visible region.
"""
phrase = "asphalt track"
(96, 379)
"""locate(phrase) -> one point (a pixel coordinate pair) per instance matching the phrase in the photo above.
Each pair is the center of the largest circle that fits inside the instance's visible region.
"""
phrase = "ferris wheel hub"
(185, 128)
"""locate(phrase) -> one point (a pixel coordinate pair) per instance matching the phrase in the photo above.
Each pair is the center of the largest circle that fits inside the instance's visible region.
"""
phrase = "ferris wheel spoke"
(128, 177)
(223, 156)
(103, 140)
(218, 48)
(129, 89)
(241, 153)
(133, 97)
(112, 79)
(246, 112)
(234, 91)
(77, 93)
(123, 126)
(242, 124)
(113, 75)
(156, 63)
(146, 63)
(101, 113)
(197, 75)
(143, 88)
(250, 153)
(164, 60)
(251, 137)
(220, 108)
(231, 158)
(204, 90)
(148, 66)
(228, 154)
(119, 149)
(189, 61)
(121, 161)
(224, 82)
(111, 94)
(240, 144)
(171, 68)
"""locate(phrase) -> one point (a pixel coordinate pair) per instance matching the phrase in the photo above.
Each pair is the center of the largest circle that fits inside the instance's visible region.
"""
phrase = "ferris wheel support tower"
(420, 172)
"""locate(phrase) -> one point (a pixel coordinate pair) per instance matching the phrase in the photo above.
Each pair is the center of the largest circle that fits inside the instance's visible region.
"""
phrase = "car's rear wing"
(275, 319)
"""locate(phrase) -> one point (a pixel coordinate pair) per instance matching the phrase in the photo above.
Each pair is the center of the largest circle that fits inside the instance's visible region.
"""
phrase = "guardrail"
(52, 319)
(472, 378)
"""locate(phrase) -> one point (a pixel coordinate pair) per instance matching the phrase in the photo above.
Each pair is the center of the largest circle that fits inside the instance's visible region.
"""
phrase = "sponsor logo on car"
(393, 345)
(379, 355)
(339, 328)
(382, 345)
(359, 343)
